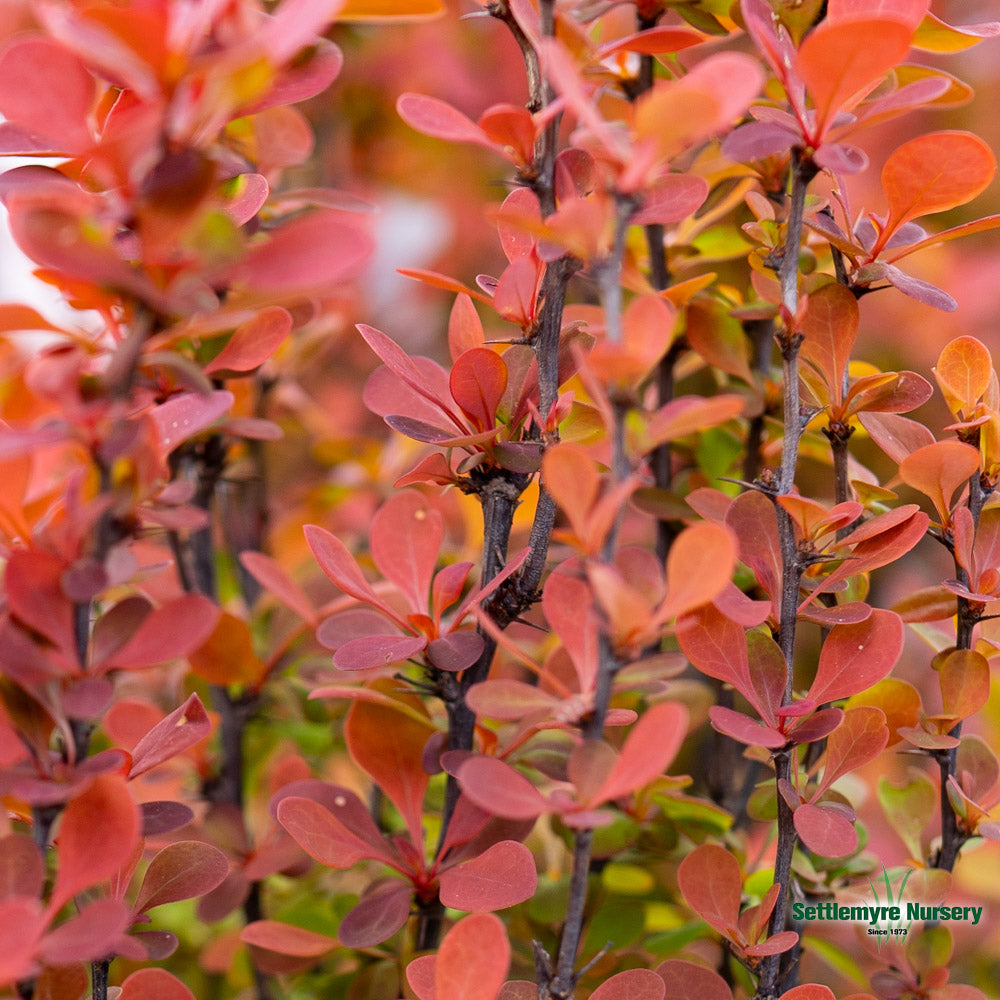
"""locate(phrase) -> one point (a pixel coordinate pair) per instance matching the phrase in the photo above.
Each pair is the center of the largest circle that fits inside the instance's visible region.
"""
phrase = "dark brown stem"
(99, 978)
(499, 495)
(788, 341)
(564, 982)
(430, 917)
(967, 618)
(761, 334)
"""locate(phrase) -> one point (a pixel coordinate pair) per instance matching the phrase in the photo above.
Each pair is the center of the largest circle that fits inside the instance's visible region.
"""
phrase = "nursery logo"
(888, 915)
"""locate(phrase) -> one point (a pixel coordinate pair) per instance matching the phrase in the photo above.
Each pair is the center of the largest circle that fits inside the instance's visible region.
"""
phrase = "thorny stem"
(761, 334)
(499, 497)
(430, 917)
(659, 277)
(560, 982)
(564, 981)
(99, 978)
(195, 557)
(118, 379)
(789, 339)
(967, 618)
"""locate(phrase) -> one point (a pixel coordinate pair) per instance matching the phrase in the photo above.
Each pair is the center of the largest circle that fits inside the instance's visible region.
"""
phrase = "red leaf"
(909, 12)
(503, 875)
(420, 430)
(473, 959)
(32, 581)
(856, 656)
(340, 802)
(420, 976)
(21, 869)
(181, 870)
(812, 991)
(632, 984)
(687, 981)
(500, 790)
(440, 120)
(674, 198)
(253, 342)
(897, 436)
(514, 297)
(154, 984)
(57, 103)
(377, 917)
(774, 945)
(572, 479)
(712, 884)
(507, 699)
(312, 252)
(372, 651)
(742, 728)
(934, 173)
(388, 746)
(465, 329)
(158, 639)
(340, 566)
(97, 835)
(420, 379)
(21, 927)
(569, 608)
(751, 516)
(175, 733)
(271, 575)
(184, 416)
(322, 835)
(287, 939)
(456, 651)
(825, 830)
(717, 646)
(653, 41)
(91, 934)
(406, 536)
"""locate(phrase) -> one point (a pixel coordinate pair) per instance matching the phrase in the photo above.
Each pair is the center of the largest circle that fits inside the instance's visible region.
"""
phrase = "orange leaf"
(838, 72)
(963, 373)
(934, 173)
(830, 327)
(938, 470)
(700, 565)
(227, 656)
(572, 478)
(965, 683)
(465, 328)
(389, 746)
(391, 10)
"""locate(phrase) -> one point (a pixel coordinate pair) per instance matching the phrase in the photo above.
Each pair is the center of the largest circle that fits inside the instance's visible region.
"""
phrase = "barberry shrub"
(620, 625)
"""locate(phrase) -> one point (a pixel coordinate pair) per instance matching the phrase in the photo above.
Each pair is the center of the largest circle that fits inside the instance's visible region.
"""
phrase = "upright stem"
(561, 982)
(967, 618)
(761, 334)
(788, 341)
